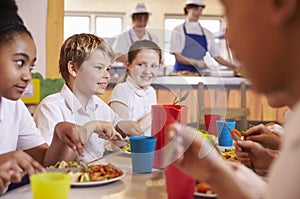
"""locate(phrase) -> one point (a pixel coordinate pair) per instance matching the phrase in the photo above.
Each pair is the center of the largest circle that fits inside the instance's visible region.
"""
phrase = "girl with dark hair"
(22, 148)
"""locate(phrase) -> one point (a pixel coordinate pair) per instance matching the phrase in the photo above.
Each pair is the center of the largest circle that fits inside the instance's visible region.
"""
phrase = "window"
(213, 24)
(96, 23)
(76, 24)
(105, 29)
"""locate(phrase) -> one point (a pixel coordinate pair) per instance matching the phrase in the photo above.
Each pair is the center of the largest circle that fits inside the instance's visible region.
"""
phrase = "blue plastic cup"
(224, 138)
(142, 153)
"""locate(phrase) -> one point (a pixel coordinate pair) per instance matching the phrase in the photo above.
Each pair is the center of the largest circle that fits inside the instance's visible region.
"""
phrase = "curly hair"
(11, 23)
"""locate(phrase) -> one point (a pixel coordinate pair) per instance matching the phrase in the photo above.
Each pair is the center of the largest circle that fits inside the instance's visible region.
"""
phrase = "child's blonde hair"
(78, 47)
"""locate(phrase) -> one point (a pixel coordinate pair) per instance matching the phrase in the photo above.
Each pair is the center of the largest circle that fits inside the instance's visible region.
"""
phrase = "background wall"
(34, 15)
(158, 8)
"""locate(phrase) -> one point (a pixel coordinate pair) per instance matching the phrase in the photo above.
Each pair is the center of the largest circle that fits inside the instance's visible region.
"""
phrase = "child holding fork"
(84, 64)
(276, 24)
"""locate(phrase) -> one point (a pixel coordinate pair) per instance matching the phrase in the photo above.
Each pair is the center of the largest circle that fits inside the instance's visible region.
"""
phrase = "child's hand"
(129, 127)
(20, 163)
(105, 130)
(8, 173)
(69, 134)
(249, 152)
(264, 136)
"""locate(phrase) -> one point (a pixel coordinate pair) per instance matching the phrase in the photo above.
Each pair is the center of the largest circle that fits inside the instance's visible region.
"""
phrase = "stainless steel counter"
(191, 81)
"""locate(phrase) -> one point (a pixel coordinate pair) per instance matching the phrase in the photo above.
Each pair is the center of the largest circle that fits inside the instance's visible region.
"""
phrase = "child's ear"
(128, 65)
(72, 68)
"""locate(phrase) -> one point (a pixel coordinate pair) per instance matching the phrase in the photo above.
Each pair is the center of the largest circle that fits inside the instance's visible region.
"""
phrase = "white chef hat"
(139, 8)
(195, 2)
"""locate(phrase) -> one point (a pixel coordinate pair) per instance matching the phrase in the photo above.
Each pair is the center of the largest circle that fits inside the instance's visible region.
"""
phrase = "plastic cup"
(210, 123)
(50, 185)
(179, 184)
(162, 116)
(224, 138)
(142, 153)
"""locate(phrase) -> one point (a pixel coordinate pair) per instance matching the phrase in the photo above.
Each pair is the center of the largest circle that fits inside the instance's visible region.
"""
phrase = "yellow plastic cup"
(50, 185)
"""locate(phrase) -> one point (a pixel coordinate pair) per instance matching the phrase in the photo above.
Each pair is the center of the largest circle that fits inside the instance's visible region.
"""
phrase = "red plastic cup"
(179, 184)
(162, 117)
(210, 123)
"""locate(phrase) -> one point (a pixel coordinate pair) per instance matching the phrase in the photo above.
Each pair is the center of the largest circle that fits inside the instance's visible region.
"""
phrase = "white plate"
(97, 183)
(126, 152)
(223, 148)
(205, 195)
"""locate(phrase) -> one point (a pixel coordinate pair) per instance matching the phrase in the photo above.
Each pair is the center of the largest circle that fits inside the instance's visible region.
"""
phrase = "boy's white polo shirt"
(65, 106)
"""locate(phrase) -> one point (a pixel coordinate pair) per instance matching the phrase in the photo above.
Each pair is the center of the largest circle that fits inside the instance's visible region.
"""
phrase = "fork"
(237, 138)
(116, 138)
(182, 97)
(104, 156)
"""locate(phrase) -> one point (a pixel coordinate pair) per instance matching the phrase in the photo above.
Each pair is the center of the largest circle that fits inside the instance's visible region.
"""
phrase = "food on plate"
(79, 176)
(89, 173)
(209, 137)
(184, 73)
(188, 73)
(202, 131)
(202, 187)
(71, 164)
(126, 147)
(101, 172)
(98, 172)
(229, 154)
(236, 132)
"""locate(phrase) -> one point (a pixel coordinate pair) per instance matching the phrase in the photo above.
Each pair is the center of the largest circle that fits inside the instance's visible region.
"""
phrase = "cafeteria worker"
(190, 41)
(138, 31)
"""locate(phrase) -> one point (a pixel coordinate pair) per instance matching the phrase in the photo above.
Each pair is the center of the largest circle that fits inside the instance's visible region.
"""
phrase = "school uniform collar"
(138, 90)
(74, 104)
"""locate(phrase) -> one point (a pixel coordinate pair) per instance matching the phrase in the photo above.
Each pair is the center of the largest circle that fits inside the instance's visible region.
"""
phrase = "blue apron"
(131, 38)
(195, 47)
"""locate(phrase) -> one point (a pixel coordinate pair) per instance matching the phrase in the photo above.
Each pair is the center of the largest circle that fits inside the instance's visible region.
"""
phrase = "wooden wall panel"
(54, 36)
